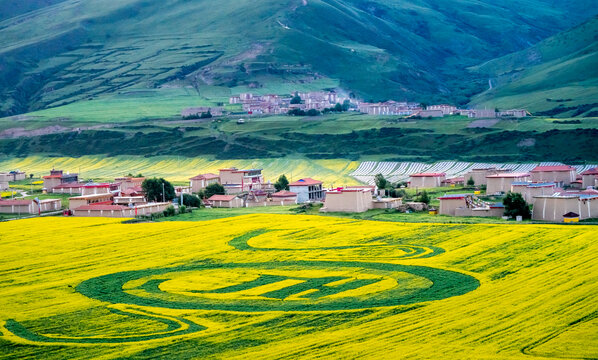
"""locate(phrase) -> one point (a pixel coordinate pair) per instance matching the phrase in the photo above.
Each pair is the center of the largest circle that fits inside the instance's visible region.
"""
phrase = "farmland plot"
(400, 171)
(281, 286)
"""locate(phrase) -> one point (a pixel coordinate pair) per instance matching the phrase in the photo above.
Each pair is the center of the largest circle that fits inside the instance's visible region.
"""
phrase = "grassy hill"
(54, 53)
(558, 76)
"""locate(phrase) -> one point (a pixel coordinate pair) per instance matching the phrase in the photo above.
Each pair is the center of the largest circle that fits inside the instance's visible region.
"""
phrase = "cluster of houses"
(275, 104)
(556, 192)
(8, 177)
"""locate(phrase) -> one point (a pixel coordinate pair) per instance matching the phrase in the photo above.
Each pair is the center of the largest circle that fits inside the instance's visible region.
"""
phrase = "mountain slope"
(418, 49)
(558, 76)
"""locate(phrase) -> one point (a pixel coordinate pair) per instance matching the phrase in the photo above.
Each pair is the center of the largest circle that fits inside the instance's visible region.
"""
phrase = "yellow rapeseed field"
(291, 286)
(331, 172)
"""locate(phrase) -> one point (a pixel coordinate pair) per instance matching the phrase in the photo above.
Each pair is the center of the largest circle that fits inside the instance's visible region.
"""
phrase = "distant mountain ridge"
(59, 52)
(557, 76)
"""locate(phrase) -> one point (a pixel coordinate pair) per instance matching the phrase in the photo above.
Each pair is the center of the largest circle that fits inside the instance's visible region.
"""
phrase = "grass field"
(276, 286)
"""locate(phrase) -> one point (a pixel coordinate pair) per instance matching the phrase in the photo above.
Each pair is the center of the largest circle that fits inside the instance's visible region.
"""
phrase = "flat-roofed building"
(555, 207)
(446, 109)
(479, 174)
(78, 201)
(501, 183)
(58, 177)
(11, 176)
(490, 210)
(127, 182)
(284, 197)
(29, 206)
(307, 189)
(201, 181)
(451, 202)
(249, 179)
(426, 180)
(589, 178)
(348, 200)
(560, 174)
(387, 203)
(468, 205)
(119, 211)
(225, 201)
(529, 190)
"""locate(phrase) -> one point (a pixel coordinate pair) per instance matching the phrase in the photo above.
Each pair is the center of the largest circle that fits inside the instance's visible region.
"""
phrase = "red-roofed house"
(235, 180)
(307, 189)
(589, 178)
(200, 181)
(127, 182)
(426, 180)
(501, 183)
(57, 177)
(225, 201)
(560, 174)
(454, 181)
(101, 199)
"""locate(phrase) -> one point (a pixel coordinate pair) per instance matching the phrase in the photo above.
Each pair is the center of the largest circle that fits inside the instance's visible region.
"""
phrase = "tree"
(296, 99)
(346, 105)
(191, 200)
(213, 189)
(424, 197)
(153, 189)
(169, 211)
(338, 107)
(381, 182)
(296, 112)
(313, 112)
(205, 115)
(282, 183)
(470, 182)
(30, 176)
(515, 205)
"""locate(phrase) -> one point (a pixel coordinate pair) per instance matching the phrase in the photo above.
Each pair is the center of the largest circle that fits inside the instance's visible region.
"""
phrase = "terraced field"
(282, 286)
(180, 169)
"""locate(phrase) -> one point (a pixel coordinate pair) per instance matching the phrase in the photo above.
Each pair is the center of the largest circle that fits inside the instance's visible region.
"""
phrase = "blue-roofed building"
(528, 189)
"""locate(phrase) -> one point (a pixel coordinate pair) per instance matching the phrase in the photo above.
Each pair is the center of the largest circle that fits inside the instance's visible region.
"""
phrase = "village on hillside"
(555, 192)
(316, 102)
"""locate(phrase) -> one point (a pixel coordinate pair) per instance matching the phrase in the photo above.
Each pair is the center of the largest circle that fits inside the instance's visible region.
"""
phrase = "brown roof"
(553, 168)
(508, 175)
(305, 182)
(428, 175)
(592, 171)
(284, 193)
(208, 176)
(104, 207)
(14, 202)
(222, 197)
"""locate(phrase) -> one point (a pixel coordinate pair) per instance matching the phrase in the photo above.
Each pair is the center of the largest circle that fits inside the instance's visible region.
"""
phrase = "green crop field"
(296, 286)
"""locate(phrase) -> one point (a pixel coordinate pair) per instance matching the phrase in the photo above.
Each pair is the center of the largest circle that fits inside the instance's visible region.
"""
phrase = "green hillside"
(558, 76)
(345, 136)
(54, 53)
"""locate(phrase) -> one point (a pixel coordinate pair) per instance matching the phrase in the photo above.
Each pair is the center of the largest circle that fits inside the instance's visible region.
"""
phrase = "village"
(555, 193)
(317, 102)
